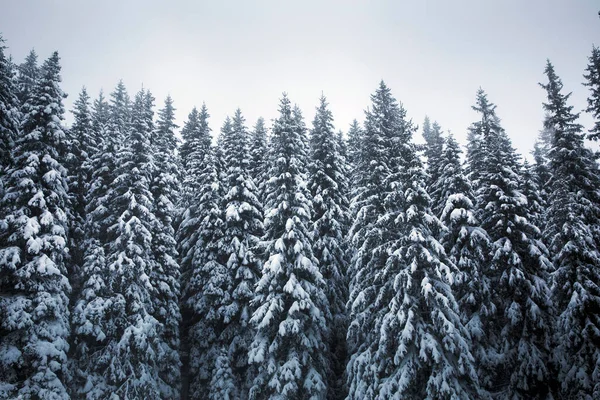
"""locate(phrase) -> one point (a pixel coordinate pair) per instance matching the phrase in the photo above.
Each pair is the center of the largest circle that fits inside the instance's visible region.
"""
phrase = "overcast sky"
(433, 54)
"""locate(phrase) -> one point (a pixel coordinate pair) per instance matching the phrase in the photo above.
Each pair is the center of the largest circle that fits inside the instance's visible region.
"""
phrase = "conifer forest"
(286, 259)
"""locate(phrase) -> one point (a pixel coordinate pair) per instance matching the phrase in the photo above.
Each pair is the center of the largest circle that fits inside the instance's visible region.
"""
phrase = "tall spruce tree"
(257, 165)
(540, 171)
(434, 146)
(204, 290)
(519, 266)
(10, 116)
(572, 232)
(423, 348)
(34, 287)
(328, 185)
(468, 246)
(592, 81)
(475, 140)
(29, 73)
(371, 175)
(531, 189)
(197, 180)
(396, 324)
(116, 334)
(354, 144)
(291, 305)
(133, 348)
(91, 317)
(81, 148)
(242, 230)
(165, 276)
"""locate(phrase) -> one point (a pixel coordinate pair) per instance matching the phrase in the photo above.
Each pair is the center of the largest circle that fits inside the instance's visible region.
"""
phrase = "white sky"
(433, 54)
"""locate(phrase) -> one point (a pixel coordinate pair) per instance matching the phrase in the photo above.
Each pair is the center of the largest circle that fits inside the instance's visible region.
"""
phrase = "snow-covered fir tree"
(93, 299)
(197, 180)
(291, 312)
(540, 170)
(536, 198)
(129, 365)
(34, 287)
(10, 116)
(355, 133)
(196, 144)
(329, 187)
(395, 322)
(111, 123)
(423, 348)
(572, 234)
(242, 230)
(206, 282)
(27, 77)
(468, 246)
(258, 163)
(592, 81)
(371, 172)
(519, 267)
(165, 276)
(81, 143)
(434, 145)
(117, 335)
(475, 140)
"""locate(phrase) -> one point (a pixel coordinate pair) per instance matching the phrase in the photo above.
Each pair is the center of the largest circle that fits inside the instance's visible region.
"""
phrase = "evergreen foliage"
(242, 230)
(257, 164)
(165, 276)
(572, 232)
(519, 267)
(434, 146)
(10, 116)
(328, 186)
(34, 284)
(291, 306)
(468, 247)
(592, 81)
(28, 74)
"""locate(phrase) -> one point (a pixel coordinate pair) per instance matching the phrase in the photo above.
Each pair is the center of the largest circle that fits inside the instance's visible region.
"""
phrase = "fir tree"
(423, 348)
(117, 344)
(257, 166)
(468, 247)
(92, 300)
(131, 371)
(531, 189)
(291, 306)
(434, 145)
(572, 232)
(354, 144)
(81, 148)
(165, 277)
(592, 78)
(195, 155)
(196, 144)
(540, 171)
(475, 139)
(29, 73)
(519, 266)
(100, 118)
(328, 186)
(242, 230)
(10, 117)
(34, 288)
(204, 289)
(373, 168)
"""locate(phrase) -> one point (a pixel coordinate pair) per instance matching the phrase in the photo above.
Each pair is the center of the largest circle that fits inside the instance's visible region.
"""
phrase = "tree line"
(284, 261)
